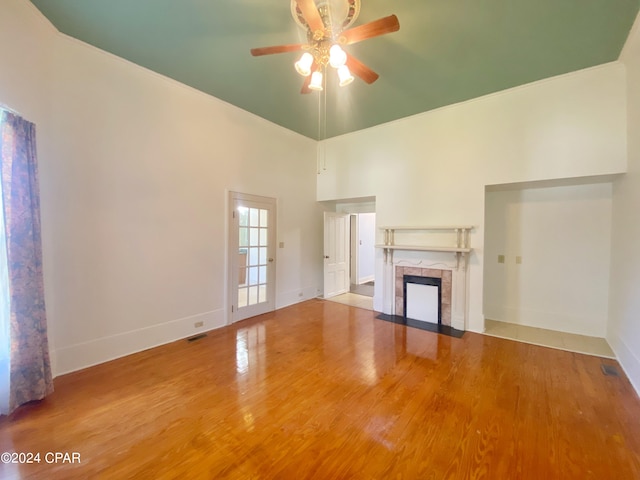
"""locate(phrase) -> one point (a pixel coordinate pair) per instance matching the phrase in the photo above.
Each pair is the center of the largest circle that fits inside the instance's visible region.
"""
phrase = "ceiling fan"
(327, 24)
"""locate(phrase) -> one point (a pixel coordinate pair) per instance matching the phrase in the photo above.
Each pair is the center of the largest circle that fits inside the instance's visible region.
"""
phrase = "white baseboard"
(295, 296)
(362, 280)
(628, 360)
(86, 354)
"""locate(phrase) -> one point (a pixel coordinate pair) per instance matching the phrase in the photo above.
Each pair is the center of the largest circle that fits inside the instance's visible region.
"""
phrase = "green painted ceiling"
(446, 51)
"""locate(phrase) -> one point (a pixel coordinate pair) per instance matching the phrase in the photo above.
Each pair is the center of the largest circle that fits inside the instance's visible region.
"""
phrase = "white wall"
(26, 42)
(624, 311)
(134, 189)
(366, 247)
(562, 236)
(431, 169)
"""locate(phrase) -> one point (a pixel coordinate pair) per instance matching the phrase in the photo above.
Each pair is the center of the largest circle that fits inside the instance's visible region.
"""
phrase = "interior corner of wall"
(627, 358)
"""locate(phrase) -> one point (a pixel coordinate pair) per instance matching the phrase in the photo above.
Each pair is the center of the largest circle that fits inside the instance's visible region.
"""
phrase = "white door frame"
(353, 248)
(235, 314)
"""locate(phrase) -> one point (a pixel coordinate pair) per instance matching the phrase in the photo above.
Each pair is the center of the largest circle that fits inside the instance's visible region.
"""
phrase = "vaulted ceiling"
(445, 52)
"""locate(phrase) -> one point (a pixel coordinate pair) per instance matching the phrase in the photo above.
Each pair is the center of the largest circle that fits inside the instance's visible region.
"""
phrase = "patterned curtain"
(30, 368)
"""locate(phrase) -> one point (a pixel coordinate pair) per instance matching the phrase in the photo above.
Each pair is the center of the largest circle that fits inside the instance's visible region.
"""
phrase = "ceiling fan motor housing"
(337, 15)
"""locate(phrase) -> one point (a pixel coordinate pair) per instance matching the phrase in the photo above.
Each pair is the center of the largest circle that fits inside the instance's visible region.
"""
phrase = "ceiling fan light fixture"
(316, 81)
(344, 75)
(326, 23)
(303, 66)
(337, 56)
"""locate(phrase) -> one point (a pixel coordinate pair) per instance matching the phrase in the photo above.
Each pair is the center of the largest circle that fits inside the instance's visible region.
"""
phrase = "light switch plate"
(500, 258)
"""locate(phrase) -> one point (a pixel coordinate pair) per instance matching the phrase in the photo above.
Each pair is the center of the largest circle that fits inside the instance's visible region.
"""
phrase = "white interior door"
(336, 254)
(252, 255)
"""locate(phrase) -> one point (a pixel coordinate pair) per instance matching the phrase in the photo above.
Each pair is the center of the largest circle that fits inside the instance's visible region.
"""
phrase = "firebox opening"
(422, 298)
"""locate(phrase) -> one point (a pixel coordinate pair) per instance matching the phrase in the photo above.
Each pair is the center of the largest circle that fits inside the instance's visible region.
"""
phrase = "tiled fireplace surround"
(444, 275)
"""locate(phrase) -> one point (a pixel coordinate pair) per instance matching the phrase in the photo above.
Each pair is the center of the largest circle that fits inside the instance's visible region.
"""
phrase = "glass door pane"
(254, 262)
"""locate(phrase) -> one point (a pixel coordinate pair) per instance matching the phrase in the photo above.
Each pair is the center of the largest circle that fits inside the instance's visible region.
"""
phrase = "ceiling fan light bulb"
(337, 56)
(344, 75)
(303, 66)
(316, 81)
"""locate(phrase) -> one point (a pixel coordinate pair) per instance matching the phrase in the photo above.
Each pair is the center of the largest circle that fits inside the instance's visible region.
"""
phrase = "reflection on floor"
(549, 338)
(353, 299)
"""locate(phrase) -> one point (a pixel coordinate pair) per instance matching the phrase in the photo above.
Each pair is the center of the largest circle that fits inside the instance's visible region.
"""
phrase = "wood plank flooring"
(322, 390)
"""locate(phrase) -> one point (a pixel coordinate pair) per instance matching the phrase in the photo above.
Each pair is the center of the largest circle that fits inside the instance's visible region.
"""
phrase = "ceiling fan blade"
(310, 14)
(305, 85)
(361, 70)
(294, 47)
(369, 30)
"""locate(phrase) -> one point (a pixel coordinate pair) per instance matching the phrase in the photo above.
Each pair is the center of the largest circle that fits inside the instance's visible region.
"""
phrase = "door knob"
(326, 256)
(271, 259)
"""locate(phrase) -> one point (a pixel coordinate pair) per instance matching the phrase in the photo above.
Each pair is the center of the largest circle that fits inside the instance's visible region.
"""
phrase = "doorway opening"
(350, 234)
(362, 253)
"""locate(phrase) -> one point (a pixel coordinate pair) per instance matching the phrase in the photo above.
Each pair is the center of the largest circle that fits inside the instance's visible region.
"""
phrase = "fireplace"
(441, 252)
(440, 279)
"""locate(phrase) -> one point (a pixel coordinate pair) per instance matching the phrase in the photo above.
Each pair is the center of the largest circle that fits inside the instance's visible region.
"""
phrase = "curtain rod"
(9, 109)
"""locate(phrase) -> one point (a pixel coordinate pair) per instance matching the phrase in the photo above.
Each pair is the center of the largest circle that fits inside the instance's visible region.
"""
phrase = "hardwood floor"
(323, 390)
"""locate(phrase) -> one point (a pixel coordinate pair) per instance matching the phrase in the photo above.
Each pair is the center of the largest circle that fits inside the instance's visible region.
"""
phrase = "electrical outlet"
(281, 245)
(198, 324)
(301, 295)
(500, 258)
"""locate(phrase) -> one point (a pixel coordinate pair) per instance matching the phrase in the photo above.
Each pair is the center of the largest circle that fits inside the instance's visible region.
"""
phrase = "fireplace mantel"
(461, 247)
(425, 248)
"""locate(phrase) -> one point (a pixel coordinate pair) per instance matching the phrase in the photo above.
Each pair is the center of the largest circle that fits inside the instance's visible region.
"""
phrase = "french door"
(252, 255)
